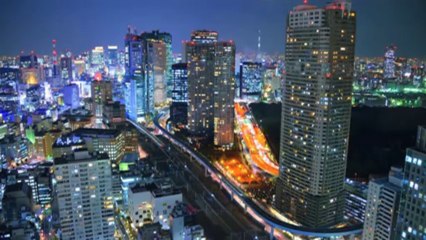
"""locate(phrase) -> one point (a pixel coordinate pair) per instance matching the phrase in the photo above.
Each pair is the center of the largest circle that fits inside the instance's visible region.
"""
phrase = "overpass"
(256, 211)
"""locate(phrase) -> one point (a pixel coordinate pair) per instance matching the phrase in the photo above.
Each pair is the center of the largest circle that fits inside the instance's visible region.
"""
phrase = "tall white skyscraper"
(316, 111)
(84, 195)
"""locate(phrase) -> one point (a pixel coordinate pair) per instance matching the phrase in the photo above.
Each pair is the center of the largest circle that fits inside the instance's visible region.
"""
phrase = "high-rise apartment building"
(412, 211)
(316, 110)
(101, 93)
(211, 67)
(84, 195)
(382, 207)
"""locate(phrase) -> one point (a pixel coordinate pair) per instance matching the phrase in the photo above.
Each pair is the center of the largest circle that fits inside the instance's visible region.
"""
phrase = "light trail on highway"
(273, 224)
(257, 151)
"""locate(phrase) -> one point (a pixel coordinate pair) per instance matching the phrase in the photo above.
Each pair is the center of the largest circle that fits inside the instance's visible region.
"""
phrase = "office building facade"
(157, 61)
(382, 207)
(179, 107)
(251, 84)
(412, 213)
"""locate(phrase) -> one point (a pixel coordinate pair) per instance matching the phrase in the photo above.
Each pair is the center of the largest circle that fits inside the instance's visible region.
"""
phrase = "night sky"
(79, 25)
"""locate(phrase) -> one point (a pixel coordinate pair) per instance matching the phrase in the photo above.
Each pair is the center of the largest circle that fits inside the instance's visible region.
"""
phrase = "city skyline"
(223, 139)
(83, 25)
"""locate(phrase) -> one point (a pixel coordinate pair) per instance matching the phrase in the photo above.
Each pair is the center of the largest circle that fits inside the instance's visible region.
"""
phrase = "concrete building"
(356, 201)
(382, 207)
(110, 141)
(211, 70)
(114, 114)
(183, 225)
(101, 94)
(412, 211)
(17, 202)
(152, 203)
(83, 193)
(316, 113)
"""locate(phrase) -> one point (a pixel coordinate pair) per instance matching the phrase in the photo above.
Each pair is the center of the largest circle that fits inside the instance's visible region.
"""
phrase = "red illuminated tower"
(55, 59)
(54, 53)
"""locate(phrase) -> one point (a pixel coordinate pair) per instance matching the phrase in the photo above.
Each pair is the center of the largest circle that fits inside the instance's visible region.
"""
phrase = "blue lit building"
(412, 213)
(11, 74)
(112, 55)
(389, 63)
(179, 107)
(28, 61)
(251, 80)
(148, 59)
(133, 53)
(138, 101)
(71, 96)
(157, 64)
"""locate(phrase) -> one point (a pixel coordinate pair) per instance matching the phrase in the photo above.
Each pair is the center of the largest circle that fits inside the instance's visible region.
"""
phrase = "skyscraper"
(316, 109)
(135, 96)
(179, 107)
(389, 63)
(97, 58)
(84, 195)
(157, 60)
(211, 66)
(66, 67)
(382, 207)
(148, 60)
(412, 218)
(112, 58)
(101, 94)
(250, 80)
(133, 53)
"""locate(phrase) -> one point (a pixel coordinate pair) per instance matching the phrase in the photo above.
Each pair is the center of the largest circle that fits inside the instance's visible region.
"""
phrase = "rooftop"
(80, 155)
(161, 187)
(97, 132)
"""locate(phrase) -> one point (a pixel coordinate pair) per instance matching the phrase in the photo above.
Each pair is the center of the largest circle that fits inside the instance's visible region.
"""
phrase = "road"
(204, 193)
(257, 211)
